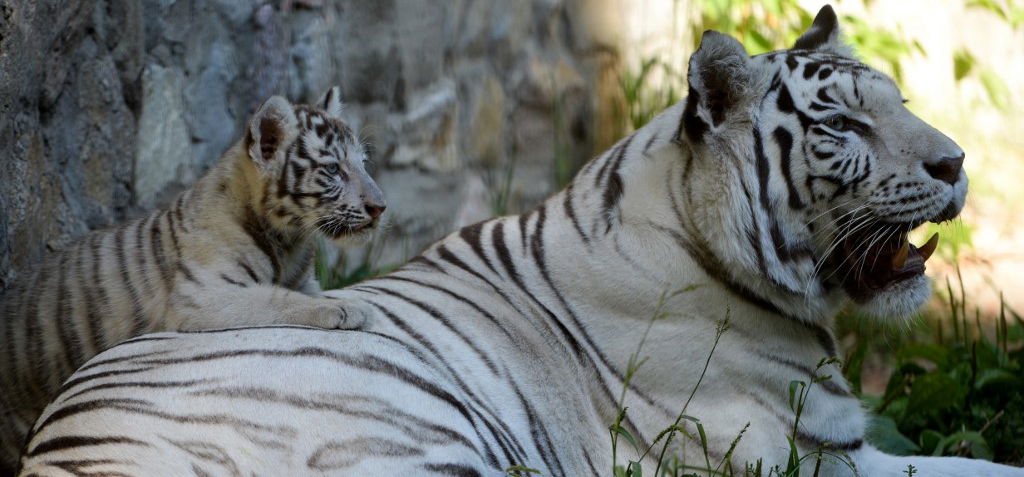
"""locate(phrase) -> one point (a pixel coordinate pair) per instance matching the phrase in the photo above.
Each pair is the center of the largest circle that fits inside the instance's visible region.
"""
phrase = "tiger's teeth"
(928, 248)
(901, 256)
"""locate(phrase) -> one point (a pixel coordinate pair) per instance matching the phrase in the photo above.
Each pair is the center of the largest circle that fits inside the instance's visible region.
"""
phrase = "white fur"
(475, 361)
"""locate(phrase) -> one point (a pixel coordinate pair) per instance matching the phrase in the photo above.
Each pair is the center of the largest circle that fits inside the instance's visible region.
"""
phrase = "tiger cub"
(236, 249)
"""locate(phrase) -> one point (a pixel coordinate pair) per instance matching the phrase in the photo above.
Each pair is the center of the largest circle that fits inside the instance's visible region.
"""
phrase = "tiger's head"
(313, 169)
(830, 170)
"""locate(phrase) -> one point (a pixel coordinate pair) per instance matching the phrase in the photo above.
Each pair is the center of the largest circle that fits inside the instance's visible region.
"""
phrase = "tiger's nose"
(375, 210)
(945, 169)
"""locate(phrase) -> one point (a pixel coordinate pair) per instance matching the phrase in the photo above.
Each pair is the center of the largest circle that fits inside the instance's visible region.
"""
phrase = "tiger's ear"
(720, 82)
(824, 34)
(271, 128)
(330, 102)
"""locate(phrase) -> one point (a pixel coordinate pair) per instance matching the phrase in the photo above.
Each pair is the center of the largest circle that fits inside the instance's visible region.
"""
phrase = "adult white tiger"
(506, 342)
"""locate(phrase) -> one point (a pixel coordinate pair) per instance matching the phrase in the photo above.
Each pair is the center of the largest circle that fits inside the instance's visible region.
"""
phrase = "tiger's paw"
(339, 314)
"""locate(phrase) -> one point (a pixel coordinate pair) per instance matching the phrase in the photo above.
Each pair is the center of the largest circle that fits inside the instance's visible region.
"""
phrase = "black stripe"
(249, 271)
(64, 320)
(187, 272)
(784, 101)
(176, 211)
(570, 211)
(537, 251)
(437, 315)
(471, 235)
(126, 280)
(448, 256)
(257, 231)
(457, 470)
(500, 435)
(100, 287)
(233, 282)
(613, 189)
(159, 256)
(523, 225)
(510, 268)
(88, 299)
(693, 125)
(494, 320)
(810, 69)
(828, 385)
(79, 379)
(539, 433)
(141, 261)
(135, 385)
(71, 442)
(785, 141)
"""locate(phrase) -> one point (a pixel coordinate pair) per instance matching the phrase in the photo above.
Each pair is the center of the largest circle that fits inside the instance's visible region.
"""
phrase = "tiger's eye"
(836, 122)
(332, 168)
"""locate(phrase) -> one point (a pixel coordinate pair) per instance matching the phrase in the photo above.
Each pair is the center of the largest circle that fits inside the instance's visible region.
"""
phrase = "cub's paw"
(341, 314)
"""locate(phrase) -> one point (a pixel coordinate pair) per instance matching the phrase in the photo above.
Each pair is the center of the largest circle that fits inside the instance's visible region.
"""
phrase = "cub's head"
(313, 168)
(831, 170)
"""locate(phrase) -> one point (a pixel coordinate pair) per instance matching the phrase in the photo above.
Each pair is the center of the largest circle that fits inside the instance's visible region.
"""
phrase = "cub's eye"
(837, 122)
(332, 168)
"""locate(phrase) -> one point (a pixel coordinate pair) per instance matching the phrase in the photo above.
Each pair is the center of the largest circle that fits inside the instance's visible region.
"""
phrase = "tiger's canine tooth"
(928, 248)
(901, 256)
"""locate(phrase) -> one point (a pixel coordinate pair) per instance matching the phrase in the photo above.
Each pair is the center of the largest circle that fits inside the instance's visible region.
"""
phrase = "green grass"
(954, 391)
(955, 384)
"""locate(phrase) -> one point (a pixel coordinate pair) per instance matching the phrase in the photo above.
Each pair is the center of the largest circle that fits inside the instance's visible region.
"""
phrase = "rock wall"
(110, 107)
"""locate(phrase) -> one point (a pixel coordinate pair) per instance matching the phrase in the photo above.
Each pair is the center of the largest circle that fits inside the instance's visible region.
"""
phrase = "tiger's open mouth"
(875, 258)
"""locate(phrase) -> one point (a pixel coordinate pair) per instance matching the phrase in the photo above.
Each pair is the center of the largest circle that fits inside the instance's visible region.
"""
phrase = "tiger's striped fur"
(236, 249)
(506, 343)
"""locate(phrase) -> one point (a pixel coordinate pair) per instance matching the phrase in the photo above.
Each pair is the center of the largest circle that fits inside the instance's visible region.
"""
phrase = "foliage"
(338, 274)
(956, 394)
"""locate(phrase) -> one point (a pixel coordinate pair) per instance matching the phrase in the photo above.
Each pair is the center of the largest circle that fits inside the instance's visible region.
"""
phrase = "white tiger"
(506, 343)
(236, 249)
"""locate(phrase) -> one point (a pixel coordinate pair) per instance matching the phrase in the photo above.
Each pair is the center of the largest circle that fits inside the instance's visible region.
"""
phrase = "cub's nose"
(374, 210)
(945, 169)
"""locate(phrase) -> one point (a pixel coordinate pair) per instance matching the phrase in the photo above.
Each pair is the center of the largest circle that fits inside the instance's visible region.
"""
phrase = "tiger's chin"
(897, 300)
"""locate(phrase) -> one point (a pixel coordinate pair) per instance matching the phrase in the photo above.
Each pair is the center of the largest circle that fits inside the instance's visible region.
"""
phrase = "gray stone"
(428, 131)
(164, 155)
(107, 107)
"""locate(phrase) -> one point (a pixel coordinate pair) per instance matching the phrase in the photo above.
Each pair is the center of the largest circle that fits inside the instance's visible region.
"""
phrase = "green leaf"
(793, 387)
(997, 378)
(933, 352)
(996, 88)
(963, 63)
(975, 442)
(929, 440)
(883, 434)
(634, 469)
(625, 434)
(521, 468)
(932, 391)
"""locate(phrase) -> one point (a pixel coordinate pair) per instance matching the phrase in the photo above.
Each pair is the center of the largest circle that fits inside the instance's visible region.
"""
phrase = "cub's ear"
(824, 35)
(271, 128)
(720, 81)
(330, 102)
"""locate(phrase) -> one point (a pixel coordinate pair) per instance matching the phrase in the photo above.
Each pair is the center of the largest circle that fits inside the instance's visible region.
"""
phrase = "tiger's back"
(361, 422)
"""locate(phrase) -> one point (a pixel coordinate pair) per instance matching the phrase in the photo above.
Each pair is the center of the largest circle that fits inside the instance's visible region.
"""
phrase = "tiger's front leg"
(195, 308)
